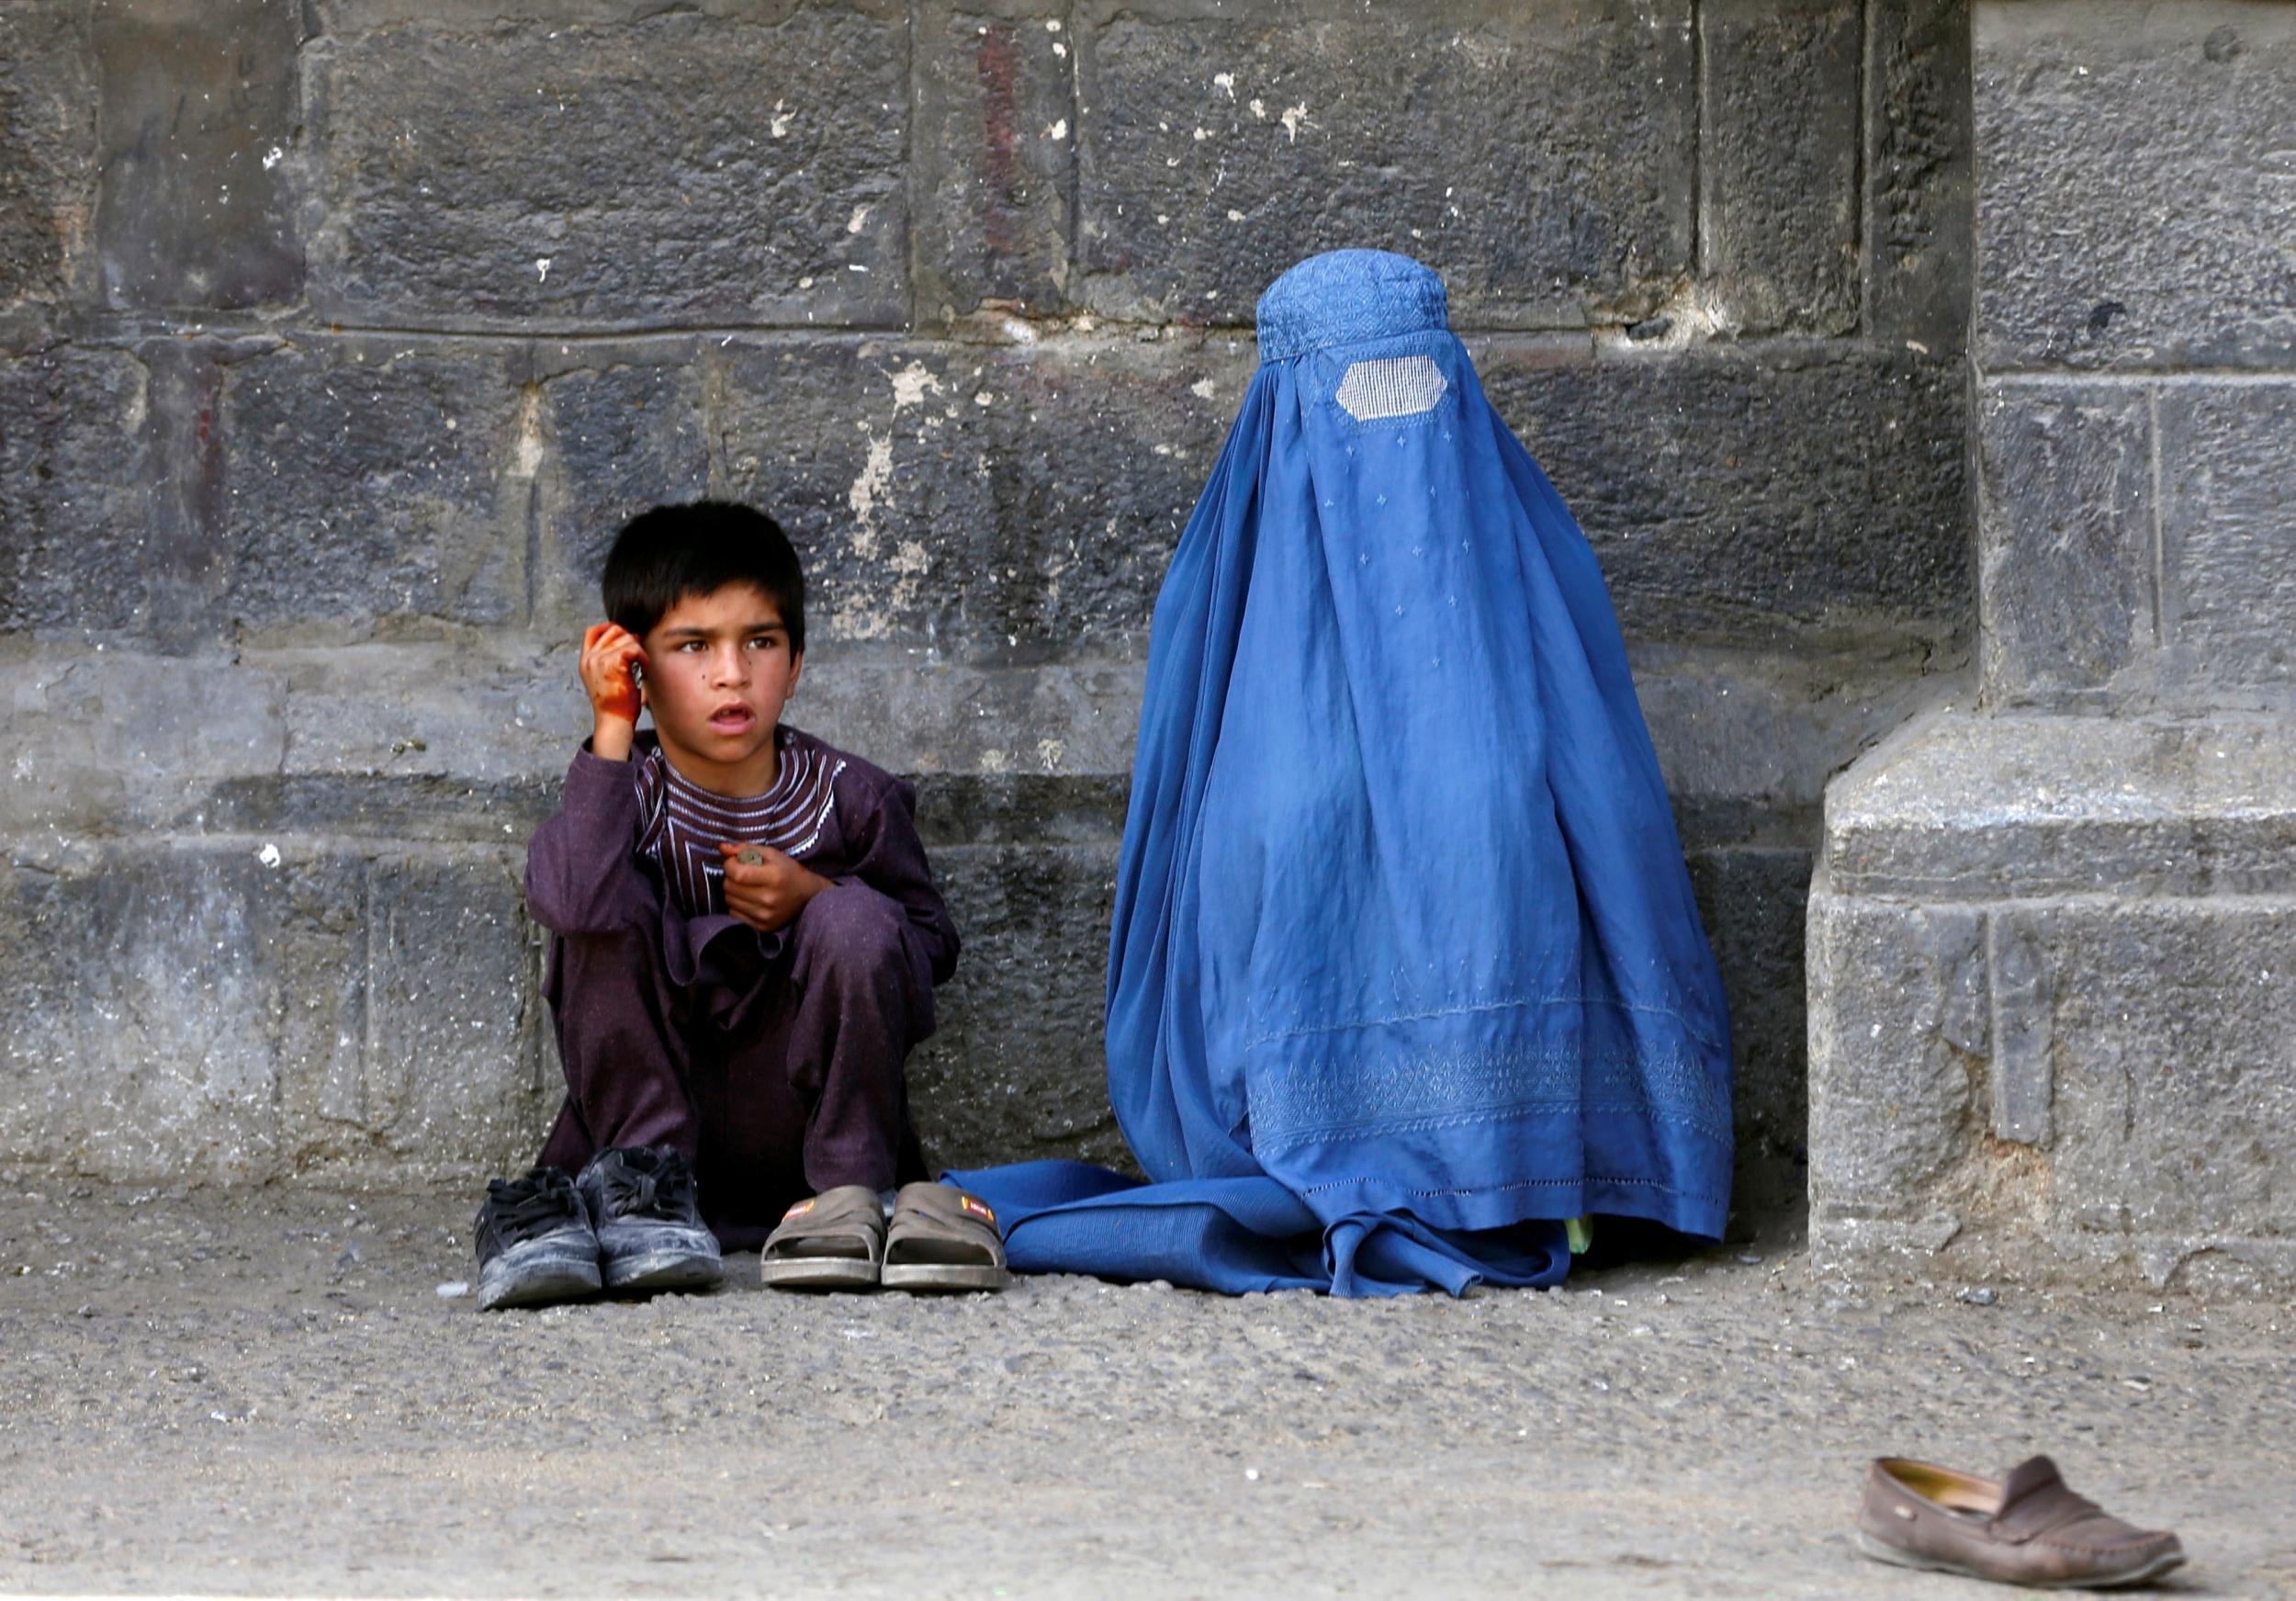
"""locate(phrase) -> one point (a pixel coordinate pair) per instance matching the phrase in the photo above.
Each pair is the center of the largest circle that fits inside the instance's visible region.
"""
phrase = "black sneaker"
(535, 1245)
(650, 1233)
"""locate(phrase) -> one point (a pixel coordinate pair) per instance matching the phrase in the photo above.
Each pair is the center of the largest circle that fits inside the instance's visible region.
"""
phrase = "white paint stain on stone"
(269, 856)
(1204, 390)
(1057, 130)
(1259, 109)
(1294, 119)
(526, 454)
(779, 126)
(1224, 81)
(1050, 752)
(911, 385)
(542, 268)
(860, 218)
(868, 498)
(996, 761)
(869, 491)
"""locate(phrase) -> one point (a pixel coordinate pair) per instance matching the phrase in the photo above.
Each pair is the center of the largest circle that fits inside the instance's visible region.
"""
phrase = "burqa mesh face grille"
(1402, 386)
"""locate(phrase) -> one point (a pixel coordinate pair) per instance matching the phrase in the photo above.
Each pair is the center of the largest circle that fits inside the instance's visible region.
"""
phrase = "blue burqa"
(1406, 968)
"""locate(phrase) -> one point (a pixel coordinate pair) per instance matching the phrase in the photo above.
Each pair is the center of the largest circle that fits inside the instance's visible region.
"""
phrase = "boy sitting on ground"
(745, 937)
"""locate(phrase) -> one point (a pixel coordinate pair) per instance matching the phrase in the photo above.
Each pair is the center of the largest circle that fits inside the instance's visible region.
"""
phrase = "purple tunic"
(773, 1060)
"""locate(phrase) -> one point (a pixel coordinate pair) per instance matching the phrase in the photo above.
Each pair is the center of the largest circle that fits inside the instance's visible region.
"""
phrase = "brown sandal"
(942, 1238)
(834, 1241)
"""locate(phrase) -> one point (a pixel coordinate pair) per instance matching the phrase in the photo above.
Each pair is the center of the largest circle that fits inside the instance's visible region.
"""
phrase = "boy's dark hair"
(665, 554)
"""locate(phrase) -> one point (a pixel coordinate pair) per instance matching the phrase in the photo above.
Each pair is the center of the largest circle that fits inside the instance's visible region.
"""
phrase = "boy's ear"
(796, 670)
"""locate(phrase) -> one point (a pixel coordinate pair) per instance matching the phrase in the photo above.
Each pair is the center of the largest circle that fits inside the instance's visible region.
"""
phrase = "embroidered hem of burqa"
(1405, 968)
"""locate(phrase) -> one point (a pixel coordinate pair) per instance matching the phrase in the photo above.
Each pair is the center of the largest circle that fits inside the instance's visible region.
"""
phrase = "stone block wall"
(336, 339)
(2054, 927)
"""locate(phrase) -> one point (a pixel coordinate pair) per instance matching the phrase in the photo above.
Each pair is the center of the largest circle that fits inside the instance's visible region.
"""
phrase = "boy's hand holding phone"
(611, 659)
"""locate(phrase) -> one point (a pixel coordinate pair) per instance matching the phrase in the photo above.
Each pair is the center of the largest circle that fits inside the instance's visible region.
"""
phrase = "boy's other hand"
(608, 653)
(768, 893)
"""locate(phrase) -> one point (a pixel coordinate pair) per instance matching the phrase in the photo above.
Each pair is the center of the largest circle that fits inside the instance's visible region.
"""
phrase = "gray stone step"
(2052, 990)
(262, 917)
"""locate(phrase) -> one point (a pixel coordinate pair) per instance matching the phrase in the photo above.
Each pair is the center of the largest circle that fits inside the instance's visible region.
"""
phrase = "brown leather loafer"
(2027, 1530)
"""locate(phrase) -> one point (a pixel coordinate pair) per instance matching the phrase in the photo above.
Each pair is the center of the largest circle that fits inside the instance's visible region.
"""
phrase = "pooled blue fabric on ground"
(1406, 968)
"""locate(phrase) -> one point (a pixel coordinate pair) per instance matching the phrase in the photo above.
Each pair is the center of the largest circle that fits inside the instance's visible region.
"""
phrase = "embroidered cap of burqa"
(1405, 967)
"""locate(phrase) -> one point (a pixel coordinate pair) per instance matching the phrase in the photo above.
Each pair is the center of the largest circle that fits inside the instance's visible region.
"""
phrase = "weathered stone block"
(481, 715)
(913, 713)
(154, 998)
(1778, 163)
(1543, 154)
(48, 149)
(368, 484)
(1018, 809)
(1720, 514)
(446, 1073)
(1920, 204)
(75, 470)
(2024, 1068)
(193, 1009)
(2176, 1055)
(2142, 1044)
(2122, 900)
(1898, 1026)
(99, 741)
(2066, 538)
(679, 169)
(200, 106)
(1981, 808)
(994, 155)
(2157, 137)
(618, 435)
(1016, 1069)
(2228, 530)
(1754, 906)
(1014, 503)
(1746, 740)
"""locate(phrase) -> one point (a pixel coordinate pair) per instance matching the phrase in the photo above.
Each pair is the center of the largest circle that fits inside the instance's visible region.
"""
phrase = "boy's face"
(719, 668)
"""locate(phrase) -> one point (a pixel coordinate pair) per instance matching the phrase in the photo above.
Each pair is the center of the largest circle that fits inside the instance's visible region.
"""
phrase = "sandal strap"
(849, 1212)
(941, 1211)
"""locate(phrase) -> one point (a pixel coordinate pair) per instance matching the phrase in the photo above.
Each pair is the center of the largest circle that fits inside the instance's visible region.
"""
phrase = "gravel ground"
(269, 1394)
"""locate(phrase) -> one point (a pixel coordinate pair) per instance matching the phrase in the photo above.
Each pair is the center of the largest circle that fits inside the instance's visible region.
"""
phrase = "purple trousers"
(778, 1072)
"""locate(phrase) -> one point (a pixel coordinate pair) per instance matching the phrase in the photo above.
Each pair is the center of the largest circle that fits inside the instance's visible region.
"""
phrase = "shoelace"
(527, 1207)
(665, 1192)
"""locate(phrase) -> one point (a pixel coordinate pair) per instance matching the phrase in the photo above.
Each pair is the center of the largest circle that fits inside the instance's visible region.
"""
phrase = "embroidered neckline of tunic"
(683, 822)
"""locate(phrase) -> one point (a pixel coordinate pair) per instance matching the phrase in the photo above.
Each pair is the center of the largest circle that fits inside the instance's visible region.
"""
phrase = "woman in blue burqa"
(1405, 977)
